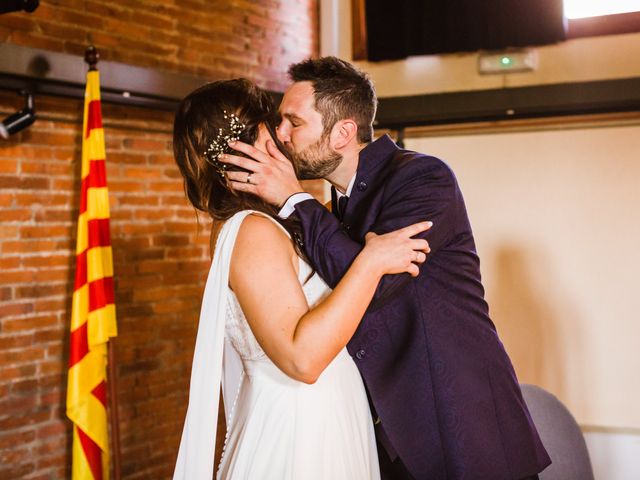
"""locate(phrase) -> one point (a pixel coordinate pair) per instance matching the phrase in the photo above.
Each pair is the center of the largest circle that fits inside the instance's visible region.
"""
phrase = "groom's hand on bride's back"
(271, 175)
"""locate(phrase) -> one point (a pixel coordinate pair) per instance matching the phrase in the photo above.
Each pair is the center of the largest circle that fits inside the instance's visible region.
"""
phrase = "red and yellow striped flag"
(93, 316)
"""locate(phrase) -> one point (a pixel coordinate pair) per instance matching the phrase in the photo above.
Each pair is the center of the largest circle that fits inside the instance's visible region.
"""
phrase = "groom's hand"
(271, 176)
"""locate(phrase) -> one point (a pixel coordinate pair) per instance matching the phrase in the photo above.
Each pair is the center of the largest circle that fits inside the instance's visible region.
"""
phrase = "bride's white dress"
(277, 428)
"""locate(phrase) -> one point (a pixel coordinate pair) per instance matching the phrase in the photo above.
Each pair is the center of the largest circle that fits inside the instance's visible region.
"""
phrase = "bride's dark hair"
(201, 115)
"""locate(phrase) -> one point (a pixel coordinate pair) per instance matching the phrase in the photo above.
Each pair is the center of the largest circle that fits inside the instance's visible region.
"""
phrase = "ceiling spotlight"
(18, 5)
(19, 120)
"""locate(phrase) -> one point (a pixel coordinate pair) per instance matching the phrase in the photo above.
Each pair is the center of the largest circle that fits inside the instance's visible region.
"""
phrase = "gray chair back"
(560, 435)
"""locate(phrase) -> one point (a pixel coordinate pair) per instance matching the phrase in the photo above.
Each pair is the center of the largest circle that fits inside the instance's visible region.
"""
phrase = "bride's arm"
(300, 341)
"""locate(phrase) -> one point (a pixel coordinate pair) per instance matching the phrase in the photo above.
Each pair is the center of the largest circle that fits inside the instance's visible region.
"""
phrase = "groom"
(443, 392)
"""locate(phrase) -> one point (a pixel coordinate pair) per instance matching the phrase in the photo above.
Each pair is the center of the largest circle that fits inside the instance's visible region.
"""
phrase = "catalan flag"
(93, 317)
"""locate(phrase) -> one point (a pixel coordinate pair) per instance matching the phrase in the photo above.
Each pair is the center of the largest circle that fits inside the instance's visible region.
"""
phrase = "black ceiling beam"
(604, 96)
(59, 74)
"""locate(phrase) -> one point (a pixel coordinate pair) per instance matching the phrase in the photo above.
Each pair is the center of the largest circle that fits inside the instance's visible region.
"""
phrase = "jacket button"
(360, 354)
(362, 186)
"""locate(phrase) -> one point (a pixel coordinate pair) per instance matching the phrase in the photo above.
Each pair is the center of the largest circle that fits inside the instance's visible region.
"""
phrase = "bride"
(271, 332)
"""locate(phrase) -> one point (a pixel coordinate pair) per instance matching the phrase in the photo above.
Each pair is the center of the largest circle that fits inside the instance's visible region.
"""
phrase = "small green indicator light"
(506, 61)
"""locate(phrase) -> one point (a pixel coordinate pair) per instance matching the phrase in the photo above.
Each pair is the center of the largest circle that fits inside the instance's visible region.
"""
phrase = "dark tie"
(342, 207)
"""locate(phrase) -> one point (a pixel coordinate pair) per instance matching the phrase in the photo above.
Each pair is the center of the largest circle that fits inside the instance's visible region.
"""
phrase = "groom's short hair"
(340, 91)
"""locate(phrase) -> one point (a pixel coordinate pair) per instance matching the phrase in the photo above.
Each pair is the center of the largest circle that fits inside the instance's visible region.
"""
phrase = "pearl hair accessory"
(220, 144)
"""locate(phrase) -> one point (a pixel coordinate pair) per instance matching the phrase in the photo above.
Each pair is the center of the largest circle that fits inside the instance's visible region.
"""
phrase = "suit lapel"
(374, 160)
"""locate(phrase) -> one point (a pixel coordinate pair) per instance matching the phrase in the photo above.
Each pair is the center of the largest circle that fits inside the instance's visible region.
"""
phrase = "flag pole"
(91, 57)
(113, 410)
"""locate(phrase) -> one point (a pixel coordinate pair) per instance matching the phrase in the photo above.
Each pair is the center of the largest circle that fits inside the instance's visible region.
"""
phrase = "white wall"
(556, 217)
(614, 455)
(583, 59)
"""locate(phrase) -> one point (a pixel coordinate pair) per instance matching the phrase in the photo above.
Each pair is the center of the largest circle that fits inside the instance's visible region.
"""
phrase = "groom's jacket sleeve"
(419, 189)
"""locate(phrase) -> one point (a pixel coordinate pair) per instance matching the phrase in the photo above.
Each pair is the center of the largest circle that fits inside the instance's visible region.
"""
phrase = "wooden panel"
(358, 30)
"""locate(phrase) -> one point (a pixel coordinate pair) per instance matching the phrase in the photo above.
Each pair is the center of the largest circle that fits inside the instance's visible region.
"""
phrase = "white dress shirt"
(289, 206)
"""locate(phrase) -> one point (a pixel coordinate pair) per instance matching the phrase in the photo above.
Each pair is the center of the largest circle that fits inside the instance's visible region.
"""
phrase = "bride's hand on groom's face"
(271, 176)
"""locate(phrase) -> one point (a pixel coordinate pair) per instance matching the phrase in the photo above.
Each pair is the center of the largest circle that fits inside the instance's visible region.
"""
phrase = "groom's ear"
(343, 133)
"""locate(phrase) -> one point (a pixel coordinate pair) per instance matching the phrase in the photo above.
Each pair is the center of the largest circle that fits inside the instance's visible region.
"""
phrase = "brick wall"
(161, 255)
(211, 38)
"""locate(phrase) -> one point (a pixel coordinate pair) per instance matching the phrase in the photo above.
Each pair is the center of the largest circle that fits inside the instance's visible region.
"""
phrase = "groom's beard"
(315, 161)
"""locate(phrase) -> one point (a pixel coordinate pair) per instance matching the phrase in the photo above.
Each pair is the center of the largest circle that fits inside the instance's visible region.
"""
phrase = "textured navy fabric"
(437, 374)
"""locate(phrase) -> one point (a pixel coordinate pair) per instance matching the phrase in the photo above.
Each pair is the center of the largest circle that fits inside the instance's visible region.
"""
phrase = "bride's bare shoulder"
(257, 224)
(259, 235)
(263, 249)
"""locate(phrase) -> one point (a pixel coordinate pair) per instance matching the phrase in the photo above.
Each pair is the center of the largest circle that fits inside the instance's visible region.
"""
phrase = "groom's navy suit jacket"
(438, 376)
